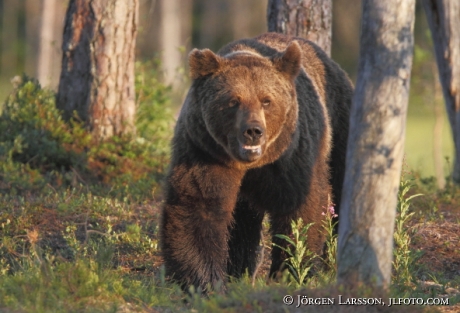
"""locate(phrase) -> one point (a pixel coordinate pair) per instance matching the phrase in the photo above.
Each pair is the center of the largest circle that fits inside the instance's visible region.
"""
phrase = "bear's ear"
(203, 62)
(288, 61)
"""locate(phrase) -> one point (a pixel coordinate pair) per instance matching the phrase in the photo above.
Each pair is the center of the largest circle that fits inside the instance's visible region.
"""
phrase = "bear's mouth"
(252, 149)
(250, 153)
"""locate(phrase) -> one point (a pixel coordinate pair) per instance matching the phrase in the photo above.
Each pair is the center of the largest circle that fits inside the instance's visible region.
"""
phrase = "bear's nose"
(253, 134)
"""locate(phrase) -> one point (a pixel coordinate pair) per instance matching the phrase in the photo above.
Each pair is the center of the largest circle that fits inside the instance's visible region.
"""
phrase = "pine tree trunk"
(171, 58)
(310, 19)
(45, 54)
(376, 143)
(444, 19)
(97, 78)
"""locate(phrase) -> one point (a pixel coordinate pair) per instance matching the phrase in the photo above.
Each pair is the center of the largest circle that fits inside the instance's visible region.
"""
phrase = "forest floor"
(82, 236)
(436, 234)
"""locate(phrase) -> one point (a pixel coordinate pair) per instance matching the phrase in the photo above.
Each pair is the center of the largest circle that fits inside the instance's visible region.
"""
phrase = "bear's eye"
(266, 102)
(233, 103)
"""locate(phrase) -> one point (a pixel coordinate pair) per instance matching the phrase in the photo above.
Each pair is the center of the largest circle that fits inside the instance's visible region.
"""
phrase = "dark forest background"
(31, 37)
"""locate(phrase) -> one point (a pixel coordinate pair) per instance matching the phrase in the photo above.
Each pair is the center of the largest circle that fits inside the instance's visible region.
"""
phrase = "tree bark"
(170, 39)
(45, 54)
(444, 20)
(97, 78)
(310, 19)
(437, 135)
(376, 143)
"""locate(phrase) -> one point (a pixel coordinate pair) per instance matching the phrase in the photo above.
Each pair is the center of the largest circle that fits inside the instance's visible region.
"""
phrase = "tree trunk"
(170, 36)
(45, 54)
(444, 19)
(437, 135)
(376, 143)
(97, 78)
(310, 19)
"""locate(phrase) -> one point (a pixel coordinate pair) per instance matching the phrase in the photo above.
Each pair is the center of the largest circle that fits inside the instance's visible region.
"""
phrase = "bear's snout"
(251, 140)
(253, 134)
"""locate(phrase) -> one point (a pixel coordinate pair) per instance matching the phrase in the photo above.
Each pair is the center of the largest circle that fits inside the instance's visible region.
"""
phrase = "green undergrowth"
(39, 149)
(404, 259)
(422, 209)
(76, 251)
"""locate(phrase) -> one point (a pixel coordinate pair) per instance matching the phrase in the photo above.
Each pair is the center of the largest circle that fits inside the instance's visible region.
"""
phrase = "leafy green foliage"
(404, 258)
(34, 139)
(72, 251)
(39, 148)
(300, 257)
(329, 224)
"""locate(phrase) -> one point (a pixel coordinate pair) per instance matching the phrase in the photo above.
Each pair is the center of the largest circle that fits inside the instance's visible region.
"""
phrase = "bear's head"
(248, 101)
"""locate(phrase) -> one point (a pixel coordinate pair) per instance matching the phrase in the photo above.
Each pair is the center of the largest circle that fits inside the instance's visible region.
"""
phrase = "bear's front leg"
(245, 234)
(195, 221)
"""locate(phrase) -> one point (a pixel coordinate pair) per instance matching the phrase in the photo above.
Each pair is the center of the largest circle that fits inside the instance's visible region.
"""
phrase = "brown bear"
(263, 129)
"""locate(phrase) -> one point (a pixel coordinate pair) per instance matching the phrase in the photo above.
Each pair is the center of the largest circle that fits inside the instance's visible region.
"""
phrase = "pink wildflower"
(330, 211)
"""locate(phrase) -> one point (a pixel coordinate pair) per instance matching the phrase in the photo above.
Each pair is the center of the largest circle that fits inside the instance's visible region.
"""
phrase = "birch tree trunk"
(376, 143)
(97, 78)
(444, 20)
(310, 19)
(45, 53)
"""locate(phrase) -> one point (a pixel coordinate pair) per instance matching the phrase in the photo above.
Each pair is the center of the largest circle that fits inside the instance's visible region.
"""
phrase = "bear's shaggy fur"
(263, 130)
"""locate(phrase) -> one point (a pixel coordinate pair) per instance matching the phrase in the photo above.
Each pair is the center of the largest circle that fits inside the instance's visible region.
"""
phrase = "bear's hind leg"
(244, 239)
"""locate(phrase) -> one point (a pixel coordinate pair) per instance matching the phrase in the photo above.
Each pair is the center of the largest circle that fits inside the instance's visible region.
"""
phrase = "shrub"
(38, 147)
